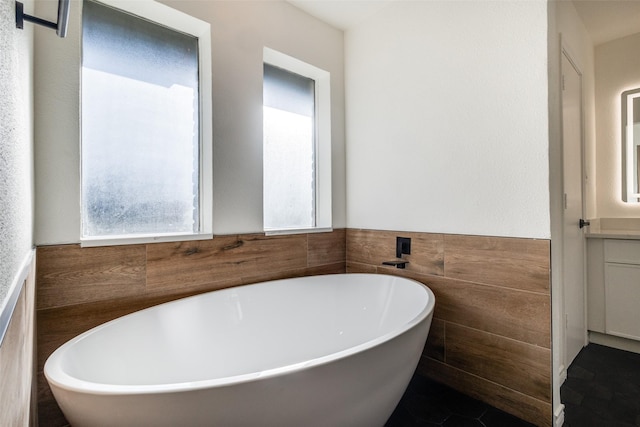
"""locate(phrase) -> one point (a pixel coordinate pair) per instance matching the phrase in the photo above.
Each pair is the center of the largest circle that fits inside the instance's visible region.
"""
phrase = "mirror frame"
(630, 180)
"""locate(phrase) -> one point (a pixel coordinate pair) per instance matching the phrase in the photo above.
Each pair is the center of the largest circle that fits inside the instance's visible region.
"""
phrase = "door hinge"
(565, 201)
(563, 82)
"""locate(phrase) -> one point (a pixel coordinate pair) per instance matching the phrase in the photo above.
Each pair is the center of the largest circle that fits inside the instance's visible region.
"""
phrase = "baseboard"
(615, 342)
(562, 375)
(558, 416)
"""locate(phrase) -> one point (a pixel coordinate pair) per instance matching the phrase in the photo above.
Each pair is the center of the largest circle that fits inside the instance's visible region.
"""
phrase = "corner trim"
(558, 416)
(9, 303)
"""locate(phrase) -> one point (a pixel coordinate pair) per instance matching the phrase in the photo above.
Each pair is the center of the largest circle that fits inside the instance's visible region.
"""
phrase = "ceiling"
(608, 20)
(605, 20)
(342, 14)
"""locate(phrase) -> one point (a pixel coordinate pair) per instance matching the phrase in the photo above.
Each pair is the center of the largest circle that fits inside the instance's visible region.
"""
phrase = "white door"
(574, 242)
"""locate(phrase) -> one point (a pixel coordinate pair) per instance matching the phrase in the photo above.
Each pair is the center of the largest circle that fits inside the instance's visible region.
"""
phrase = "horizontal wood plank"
(516, 365)
(522, 316)
(519, 404)
(356, 267)
(174, 265)
(69, 274)
(435, 346)
(326, 248)
(519, 315)
(375, 247)
(336, 268)
(508, 262)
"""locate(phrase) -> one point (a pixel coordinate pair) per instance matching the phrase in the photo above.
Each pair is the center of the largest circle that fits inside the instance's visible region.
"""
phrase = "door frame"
(565, 51)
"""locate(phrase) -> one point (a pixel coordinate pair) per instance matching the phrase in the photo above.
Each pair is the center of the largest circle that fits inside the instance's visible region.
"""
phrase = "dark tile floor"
(602, 389)
(427, 403)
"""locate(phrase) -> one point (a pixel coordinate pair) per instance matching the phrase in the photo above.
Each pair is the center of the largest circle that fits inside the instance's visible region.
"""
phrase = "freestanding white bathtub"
(335, 350)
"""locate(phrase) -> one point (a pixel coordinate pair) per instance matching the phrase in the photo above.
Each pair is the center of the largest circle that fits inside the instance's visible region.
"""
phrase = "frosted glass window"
(289, 150)
(140, 126)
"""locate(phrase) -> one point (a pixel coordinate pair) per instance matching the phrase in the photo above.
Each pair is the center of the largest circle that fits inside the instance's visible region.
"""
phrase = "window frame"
(322, 120)
(178, 21)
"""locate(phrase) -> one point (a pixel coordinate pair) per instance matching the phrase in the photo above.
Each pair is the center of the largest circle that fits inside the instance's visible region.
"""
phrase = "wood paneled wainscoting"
(79, 288)
(491, 333)
(17, 353)
(490, 337)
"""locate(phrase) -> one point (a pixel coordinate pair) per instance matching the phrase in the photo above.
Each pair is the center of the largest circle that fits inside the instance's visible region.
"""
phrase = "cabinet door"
(622, 295)
(595, 285)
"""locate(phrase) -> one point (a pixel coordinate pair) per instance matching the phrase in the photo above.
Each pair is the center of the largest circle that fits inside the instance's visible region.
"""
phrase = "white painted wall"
(447, 119)
(577, 42)
(57, 130)
(16, 141)
(240, 29)
(617, 68)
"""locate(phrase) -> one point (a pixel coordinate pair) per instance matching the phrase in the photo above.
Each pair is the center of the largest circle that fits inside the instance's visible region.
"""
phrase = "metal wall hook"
(60, 26)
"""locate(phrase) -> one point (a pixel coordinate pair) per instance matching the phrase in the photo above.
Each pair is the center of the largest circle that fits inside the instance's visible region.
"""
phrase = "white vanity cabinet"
(613, 287)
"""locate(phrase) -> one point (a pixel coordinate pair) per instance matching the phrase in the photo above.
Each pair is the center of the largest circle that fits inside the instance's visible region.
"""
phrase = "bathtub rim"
(56, 375)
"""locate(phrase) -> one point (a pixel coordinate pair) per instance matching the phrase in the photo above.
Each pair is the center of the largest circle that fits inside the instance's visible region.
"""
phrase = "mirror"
(630, 145)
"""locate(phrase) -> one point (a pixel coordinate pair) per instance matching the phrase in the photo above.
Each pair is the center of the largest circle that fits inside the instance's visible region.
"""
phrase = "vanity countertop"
(614, 234)
(614, 228)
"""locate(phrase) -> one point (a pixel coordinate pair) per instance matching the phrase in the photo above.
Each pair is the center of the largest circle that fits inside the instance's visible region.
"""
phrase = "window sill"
(275, 232)
(141, 239)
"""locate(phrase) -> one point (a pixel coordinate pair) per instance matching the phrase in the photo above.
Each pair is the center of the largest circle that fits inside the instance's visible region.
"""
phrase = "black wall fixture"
(403, 246)
(60, 26)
